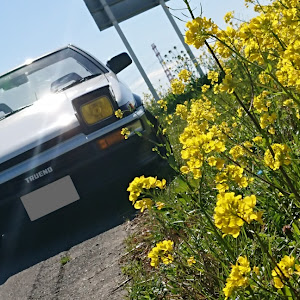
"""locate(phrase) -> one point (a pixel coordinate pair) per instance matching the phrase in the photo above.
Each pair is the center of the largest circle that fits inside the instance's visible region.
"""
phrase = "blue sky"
(30, 28)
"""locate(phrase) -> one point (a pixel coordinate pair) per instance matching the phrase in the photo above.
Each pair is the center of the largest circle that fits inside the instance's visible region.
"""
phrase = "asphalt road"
(86, 233)
(93, 272)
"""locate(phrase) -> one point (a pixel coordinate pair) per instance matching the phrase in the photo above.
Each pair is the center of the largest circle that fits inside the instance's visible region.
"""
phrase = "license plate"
(49, 198)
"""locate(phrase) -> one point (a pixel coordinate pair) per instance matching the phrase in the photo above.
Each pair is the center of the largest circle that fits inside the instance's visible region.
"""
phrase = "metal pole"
(187, 48)
(127, 45)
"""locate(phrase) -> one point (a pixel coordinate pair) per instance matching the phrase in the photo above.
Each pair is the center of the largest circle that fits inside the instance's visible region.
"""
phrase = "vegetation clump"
(227, 225)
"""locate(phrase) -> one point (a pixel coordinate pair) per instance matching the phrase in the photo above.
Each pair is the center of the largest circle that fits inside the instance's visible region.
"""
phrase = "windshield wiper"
(15, 111)
(78, 81)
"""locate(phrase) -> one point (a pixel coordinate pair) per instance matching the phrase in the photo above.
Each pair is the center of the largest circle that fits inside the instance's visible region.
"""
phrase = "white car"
(60, 137)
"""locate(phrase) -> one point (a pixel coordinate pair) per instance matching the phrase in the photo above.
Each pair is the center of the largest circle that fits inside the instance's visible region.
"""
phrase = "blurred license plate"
(50, 198)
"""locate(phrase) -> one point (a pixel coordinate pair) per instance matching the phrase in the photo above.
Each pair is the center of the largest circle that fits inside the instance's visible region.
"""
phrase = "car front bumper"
(87, 167)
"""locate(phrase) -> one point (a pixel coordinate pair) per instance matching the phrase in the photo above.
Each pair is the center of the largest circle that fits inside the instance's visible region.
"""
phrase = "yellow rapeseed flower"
(169, 119)
(119, 114)
(213, 76)
(204, 88)
(240, 112)
(281, 156)
(256, 270)
(125, 131)
(177, 87)
(143, 204)
(228, 16)
(237, 151)
(271, 130)
(161, 184)
(160, 205)
(227, 84)
(190, 261)
(163, 104)
(284, 270)
(161, 252)
(184, 75)
(181, 110)
(198, 138)
(231, 212)
(257, 140)
(238, 276)
(138, 184)
(234, 173)
(184, 170)
(199, 29)
(260, 103)
(266, 119)
(288, 102)
(216, 162)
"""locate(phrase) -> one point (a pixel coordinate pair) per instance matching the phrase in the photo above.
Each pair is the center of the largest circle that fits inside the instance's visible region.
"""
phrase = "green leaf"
(288, 291)
(269, 68)
(181, 186)
(138, 133)
(172, 162)
(296, 229)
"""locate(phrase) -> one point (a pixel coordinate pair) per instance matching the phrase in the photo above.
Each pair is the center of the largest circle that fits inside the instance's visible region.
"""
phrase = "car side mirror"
(119, 62)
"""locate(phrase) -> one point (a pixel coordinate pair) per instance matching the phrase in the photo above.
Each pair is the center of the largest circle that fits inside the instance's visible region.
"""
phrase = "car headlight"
(97, 110)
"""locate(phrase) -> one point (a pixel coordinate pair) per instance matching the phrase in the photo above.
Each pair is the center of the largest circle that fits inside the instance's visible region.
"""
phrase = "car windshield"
(50, 74)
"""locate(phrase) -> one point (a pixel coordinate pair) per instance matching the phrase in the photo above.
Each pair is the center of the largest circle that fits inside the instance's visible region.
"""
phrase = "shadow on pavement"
(36, 241)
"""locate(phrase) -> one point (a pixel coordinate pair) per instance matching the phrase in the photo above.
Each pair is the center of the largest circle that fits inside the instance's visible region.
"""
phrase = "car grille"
(43, 147)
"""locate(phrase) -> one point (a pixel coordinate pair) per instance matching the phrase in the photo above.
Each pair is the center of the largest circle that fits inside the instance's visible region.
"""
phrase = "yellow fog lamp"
(96, 110)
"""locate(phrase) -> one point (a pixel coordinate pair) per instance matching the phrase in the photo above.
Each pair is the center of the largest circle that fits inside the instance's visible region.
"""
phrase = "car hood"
(46, 119)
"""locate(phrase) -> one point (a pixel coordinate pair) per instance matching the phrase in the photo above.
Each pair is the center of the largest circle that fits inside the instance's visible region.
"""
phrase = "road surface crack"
(59, 281)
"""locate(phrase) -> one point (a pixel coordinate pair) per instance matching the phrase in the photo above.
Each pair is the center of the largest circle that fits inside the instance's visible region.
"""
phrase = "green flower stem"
(290, 184)
(284, 88)
(251, 292)
(260, 178)
(203, 271)
(250, 129)
(293, 291)
(288, 181)
(189, 8)
(259, 67)
(252, 117)
(255, 65)
(269, 291)
(218, 236)
(254, 120)
(252, 84)
(240, 56)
